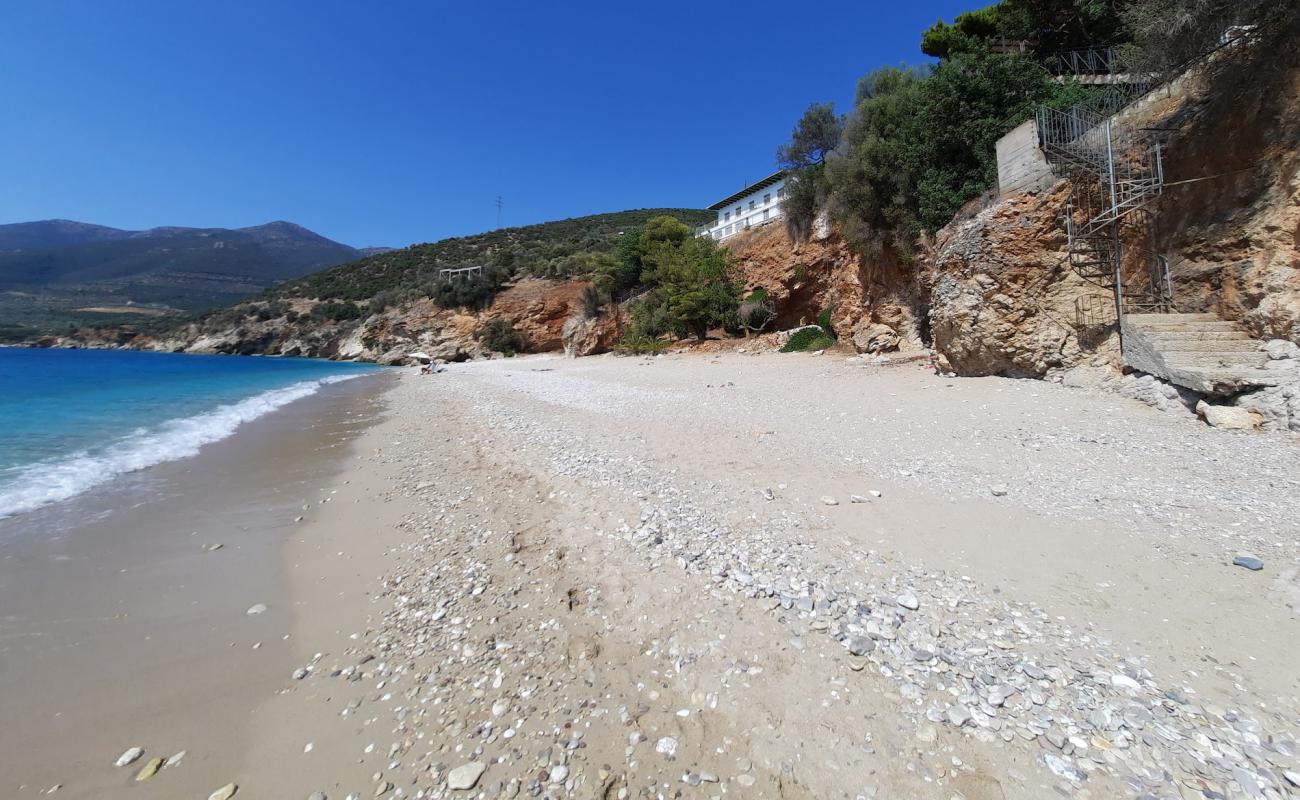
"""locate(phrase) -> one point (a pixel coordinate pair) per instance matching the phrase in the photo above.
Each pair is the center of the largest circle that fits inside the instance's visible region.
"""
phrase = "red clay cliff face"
(538, 310)
(803, 278)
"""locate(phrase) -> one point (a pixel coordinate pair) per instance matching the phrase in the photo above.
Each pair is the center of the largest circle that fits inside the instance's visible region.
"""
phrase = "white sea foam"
(59, 479)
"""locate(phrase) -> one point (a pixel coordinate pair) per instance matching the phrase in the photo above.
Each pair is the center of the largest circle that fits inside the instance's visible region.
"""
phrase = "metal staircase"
(1114, 174)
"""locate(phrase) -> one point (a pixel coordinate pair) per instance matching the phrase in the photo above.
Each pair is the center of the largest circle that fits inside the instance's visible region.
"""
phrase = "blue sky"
(394, 122)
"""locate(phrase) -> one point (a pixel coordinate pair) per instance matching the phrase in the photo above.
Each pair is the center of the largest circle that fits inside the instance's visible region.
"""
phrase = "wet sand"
(130, 628)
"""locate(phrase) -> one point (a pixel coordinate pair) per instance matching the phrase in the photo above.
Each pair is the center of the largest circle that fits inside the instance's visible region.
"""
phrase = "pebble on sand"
(257, 609)
(465, 776)
(224, 793)
(1248, 561)
(129, 756)
(830, 501)
(998, 490)
(149, 769)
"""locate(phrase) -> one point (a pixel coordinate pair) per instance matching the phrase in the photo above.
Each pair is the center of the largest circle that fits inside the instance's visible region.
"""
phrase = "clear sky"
(388, 122)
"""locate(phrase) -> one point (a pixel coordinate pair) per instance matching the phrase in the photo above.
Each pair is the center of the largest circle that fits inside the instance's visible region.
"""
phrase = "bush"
(807, 340)
(824, 320)
(336, 311)
(498, 335)
(639, 344)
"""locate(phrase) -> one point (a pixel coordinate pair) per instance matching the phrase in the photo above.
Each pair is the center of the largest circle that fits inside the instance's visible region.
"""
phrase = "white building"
(757, 204)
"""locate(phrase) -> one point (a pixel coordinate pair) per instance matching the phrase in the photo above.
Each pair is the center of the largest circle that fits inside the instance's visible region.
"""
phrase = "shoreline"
(130, 627)
(621, 577)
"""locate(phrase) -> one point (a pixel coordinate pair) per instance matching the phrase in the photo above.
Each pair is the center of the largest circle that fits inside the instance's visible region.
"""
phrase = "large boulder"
(874, 337)
(1231, 418)
(589, 336)
(1278, 407)
(1004, 299)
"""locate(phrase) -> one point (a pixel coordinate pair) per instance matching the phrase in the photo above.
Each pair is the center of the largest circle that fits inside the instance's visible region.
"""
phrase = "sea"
(74, 420)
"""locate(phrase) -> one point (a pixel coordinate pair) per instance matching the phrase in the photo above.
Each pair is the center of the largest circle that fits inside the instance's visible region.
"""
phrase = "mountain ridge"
(51, 270)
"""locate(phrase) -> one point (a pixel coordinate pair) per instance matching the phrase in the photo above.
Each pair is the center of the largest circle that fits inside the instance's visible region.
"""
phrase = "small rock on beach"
(465, 776)
(129, 756)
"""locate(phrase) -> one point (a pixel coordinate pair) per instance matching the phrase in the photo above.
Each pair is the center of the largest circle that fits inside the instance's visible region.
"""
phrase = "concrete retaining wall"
(1021, 165)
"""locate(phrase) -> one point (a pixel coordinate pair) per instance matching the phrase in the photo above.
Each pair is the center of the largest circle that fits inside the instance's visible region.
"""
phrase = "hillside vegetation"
(562, 249)
(918, 145)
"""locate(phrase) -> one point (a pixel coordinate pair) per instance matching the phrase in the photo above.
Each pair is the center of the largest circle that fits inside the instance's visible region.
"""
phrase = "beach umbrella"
(420, 356)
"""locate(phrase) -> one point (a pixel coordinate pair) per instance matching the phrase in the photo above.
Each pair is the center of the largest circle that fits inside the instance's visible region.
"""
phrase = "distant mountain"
(54, 233)
(65, 263)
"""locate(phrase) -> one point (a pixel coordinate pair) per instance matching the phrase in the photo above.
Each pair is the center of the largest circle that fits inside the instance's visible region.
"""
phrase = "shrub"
(498, 335)
(824, 320)
(464, 292)
(640, 344)
(336, 311)
(807, 340)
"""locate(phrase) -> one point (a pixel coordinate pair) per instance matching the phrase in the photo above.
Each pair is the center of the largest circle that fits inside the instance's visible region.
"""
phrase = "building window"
(767, 198)
(739, 209)
(766, 212)
(752, 204)
(727, 217)
(780, 192)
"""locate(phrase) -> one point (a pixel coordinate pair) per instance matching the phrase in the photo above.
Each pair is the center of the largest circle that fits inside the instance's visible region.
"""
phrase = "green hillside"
(558, 249)
(60, 273)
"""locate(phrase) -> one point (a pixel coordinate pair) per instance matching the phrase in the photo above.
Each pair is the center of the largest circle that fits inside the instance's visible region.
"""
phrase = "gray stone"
(1281, 349)
(559, 773)
(958, 715)
(1249, 562)
(908, 600)
(860, 645)
(1229, 418)
(998, 490)
(465, 776)
(131, 754)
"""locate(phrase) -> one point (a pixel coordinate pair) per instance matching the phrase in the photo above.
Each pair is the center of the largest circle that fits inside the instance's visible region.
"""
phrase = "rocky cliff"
(1004, 299)
(1230, 221)
(536, 308)
(802, 279)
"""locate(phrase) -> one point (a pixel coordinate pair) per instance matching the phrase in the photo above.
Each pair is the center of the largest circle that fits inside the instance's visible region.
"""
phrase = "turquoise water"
(71, 420)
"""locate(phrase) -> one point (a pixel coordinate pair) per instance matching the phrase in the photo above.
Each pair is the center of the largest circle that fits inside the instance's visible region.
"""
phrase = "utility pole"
(500, 203)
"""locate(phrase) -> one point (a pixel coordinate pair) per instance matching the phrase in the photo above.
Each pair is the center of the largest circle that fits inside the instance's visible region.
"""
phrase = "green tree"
(816, 135)
(695, 284)
(920, 145)
(1040, 26)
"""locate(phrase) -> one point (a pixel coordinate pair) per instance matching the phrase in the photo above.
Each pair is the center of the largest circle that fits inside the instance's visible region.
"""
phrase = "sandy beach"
(698, 576)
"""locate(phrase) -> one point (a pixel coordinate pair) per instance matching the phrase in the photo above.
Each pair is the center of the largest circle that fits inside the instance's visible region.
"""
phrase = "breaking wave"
(52, 481)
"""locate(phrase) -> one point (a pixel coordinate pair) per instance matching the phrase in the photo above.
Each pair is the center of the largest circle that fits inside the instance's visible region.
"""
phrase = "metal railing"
(1088, 61)
(1114, 174)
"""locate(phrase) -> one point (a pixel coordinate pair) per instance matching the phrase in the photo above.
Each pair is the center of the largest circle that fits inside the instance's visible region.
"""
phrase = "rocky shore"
(622, 578)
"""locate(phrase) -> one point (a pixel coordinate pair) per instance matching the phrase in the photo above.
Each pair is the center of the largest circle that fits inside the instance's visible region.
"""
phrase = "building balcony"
(725, 229)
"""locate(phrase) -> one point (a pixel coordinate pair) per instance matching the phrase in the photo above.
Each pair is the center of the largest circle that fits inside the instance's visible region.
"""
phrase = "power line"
(500, 203)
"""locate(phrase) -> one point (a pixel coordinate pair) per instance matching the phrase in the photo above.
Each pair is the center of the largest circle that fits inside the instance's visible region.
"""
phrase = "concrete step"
(1197, 351)
(1140, 319)
(1189, 344)
(1213, 359)
(1190, 326)
(1194, 335)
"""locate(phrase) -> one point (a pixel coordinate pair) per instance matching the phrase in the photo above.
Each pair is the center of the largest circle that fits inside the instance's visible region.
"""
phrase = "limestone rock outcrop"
(1004, 299)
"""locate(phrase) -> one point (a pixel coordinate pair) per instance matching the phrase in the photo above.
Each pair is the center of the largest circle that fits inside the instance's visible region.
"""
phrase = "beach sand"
(131, 628)
(695, 576)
